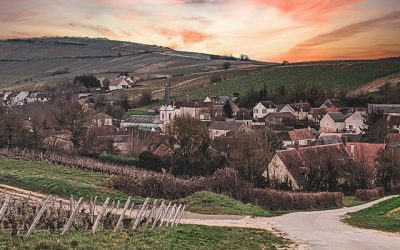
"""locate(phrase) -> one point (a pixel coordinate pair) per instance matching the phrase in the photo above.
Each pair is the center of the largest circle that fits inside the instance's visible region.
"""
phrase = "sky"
(268, 30)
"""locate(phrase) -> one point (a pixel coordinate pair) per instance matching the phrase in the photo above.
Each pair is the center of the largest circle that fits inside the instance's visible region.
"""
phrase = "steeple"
(167, 98)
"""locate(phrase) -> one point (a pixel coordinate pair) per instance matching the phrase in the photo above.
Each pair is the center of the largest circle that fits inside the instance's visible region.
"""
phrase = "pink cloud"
(187, 36)
(308, 10)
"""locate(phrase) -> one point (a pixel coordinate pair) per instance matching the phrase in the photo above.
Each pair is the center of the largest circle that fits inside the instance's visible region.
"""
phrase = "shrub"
(369, 194)
(228, 182)
(118, 159)
(150, 161)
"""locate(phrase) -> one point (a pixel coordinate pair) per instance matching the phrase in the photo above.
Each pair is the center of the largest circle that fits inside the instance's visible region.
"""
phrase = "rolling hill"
(49, 60)
(340, 76)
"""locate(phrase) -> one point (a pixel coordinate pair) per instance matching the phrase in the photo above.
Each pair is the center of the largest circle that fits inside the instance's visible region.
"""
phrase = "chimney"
(296, 145)
(344, 139)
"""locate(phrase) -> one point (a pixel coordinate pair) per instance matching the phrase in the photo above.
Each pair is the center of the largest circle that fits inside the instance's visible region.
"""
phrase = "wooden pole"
(151, 212)
(123, 214)
(140, 213)
(4, 208)
(180, 216)
(38, 215)
(72, 217)
(165, 214)
(170, 215)
(132, 207)
(176, 214)
(158, 215)
(103, 209)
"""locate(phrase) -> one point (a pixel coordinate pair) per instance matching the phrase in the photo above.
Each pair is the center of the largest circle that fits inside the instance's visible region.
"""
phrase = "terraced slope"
(340, 76)
(40, 60)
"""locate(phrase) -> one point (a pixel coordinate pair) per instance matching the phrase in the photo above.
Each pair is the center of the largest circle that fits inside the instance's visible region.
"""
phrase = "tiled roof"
(143, 119)
(365, 153)
(385, 108)
(334, 103)
(337, 116)
(301, 134)
(268, 104)
(229, 126)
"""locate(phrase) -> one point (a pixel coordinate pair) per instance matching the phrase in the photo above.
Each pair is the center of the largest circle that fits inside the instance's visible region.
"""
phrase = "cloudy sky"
(272, 30)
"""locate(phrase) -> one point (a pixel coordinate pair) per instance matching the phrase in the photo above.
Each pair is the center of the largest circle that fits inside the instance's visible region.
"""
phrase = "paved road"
(323, 230)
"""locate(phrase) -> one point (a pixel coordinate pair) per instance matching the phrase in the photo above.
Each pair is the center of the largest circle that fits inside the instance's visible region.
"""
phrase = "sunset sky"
(271, 30)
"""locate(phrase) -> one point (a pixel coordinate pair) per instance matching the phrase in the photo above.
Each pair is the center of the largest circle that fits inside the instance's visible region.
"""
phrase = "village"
(305, 135)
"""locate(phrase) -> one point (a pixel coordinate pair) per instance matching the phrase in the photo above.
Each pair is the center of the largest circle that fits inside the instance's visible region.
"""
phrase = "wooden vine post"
(151, 212)
(72, 217)
(176, 214)
(4, 207)
(180, 216)
(38, 215)
(140, 213)
(123, 214)
(103, 209)
(158, 215)
(165, 214)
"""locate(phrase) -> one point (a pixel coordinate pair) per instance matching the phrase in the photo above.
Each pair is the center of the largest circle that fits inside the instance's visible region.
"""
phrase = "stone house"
(332, 122)
(263, 108)
(299, 110)
(223, 128)
(355, 122)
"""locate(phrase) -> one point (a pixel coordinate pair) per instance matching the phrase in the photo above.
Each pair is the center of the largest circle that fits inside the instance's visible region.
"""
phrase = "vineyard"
(338, 76)
(21, 214)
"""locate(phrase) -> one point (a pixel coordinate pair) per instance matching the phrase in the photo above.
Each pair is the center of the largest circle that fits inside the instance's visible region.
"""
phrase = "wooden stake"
(171, 214)
(103, 209)
(158, 215)
(123, 214)
(72, 217)
(140, 213)
(4, 207)
(165, 214)
(176, 214)
(38, 215)
(180, 216)
(151, 212)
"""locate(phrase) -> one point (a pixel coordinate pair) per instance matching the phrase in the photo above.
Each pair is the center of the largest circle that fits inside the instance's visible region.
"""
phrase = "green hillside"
(344, 75)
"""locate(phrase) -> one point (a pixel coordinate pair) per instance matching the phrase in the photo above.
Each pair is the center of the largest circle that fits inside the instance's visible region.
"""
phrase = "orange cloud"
(102, 30)
(308, 10)
(187, 36)
(314, 47)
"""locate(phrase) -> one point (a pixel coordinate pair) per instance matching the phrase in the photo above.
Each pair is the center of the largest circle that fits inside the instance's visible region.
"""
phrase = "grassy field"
(351, 201)
(54, 179)
(339, 76)
(210, 203)
(383, 216)
(182, 237)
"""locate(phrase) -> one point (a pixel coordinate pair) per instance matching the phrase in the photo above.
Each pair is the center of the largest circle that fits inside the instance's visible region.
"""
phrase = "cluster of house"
(19, 98)
(339, 134)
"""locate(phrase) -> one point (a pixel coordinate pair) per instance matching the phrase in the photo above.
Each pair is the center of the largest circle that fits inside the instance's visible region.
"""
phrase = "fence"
(24, 214)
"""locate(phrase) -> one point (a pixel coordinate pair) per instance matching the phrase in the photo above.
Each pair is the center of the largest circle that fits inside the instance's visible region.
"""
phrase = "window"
(264, 111)
(351, 127)
(162, 116)
(255, 111)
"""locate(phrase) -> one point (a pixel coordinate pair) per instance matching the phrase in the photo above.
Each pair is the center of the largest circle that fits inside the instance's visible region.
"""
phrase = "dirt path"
(311, 230)
(324, 230)
(375, 85)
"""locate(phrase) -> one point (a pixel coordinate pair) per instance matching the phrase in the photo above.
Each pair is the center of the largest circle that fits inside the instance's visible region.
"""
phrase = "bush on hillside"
(369, 194)
(225, 181)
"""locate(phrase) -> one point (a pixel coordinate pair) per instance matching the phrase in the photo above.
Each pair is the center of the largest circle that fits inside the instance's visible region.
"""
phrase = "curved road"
(324, 230)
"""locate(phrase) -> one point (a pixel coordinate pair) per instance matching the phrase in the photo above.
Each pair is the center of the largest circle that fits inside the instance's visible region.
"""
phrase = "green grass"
(339, 76)
(55, 179)
(351, 201)
(182, 237)
(211, 203)
(379, 216)
(118, 159)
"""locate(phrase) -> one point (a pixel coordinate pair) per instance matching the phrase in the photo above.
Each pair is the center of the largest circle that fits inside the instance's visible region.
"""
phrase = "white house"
(144, 122)
(394, 122)
(16, 98)
(263, 108)
(222, 128)
(121, 82)
(301, 136)
(102, 119)
(300, 110)
(355, 122)
(332, 122)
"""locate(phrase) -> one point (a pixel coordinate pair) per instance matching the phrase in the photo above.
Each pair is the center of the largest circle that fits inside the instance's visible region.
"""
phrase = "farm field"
(55, 179)
(211, 203)
(181, 237)
(340, 76)
(383, 216)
